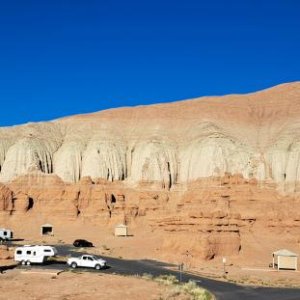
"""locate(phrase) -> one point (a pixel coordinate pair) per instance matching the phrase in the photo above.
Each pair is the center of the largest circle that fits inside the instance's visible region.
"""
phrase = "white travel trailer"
(34, 254)
(5, 234)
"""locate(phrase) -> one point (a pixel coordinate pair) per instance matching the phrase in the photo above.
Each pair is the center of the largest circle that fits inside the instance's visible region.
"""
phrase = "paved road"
(222, 290)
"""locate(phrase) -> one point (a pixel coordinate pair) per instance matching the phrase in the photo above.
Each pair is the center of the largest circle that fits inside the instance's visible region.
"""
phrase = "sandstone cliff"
(208, 172)
(256, 135)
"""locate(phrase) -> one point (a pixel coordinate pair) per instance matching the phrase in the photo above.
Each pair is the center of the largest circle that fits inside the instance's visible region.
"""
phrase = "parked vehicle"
(82, 243)
(5, 234)
(88, 261)
(34, 254)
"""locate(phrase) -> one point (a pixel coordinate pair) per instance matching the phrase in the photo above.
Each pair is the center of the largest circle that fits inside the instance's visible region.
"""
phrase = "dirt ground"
(17, 284)
(250, 276)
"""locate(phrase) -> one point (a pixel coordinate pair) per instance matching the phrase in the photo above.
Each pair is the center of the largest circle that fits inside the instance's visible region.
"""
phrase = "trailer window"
(5, 232)
(28, 252)
(47, 250)
(19, 252)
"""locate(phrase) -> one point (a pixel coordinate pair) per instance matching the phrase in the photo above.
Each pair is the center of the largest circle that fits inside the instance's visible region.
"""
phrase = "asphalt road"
(222, 290)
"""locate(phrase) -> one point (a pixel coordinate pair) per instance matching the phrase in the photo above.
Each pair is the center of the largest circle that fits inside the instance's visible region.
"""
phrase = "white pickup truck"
(88, 261)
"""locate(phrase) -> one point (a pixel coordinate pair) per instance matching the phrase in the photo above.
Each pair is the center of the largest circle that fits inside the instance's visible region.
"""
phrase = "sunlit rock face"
(256, 135)
(104, 159)
(214, 156)
(154, 161)
(28, 148)
(67, 161)
(25, 155)
(4, 145)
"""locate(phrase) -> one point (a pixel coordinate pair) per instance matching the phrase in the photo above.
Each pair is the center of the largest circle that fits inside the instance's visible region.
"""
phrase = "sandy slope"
(15, 285)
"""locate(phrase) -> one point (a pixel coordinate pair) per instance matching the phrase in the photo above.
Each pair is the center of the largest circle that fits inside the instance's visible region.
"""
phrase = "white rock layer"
(256, 135)
(104, 159)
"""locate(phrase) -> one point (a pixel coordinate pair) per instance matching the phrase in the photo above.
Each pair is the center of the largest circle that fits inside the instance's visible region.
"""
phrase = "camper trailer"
(5, 234)
(34, 254)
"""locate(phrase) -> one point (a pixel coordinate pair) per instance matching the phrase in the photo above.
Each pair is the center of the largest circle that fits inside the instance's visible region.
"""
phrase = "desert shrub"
(180, 290)
(196, 292)
(147, 276)
(167, 279)
(104, 247)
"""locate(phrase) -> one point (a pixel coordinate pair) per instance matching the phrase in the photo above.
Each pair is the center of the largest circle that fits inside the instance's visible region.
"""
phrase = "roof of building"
(121, 225)
(285, 252)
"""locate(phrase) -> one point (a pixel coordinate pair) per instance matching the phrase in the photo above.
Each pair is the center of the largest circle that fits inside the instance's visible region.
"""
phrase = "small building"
(121, 230)
(47, 229)
(285, 259)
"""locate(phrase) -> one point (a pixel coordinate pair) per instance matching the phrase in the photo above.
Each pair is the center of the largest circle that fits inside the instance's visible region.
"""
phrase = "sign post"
(180, 267)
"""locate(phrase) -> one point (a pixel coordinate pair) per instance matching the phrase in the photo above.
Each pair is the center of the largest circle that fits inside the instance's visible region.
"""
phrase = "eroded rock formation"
(207, 171)
(256, 135)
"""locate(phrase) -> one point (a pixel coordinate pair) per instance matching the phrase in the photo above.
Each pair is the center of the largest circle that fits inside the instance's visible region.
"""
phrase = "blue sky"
(60, 58)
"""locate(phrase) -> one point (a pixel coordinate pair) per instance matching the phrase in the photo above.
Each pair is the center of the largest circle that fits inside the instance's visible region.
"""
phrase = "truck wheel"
(74, 265)
(97, 267)
(28, 263)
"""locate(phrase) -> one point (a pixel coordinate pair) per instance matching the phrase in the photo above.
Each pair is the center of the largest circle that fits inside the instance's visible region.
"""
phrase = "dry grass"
(178, 290)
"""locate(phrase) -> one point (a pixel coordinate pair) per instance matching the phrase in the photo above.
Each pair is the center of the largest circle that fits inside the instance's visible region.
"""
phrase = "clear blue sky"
(61, 57)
